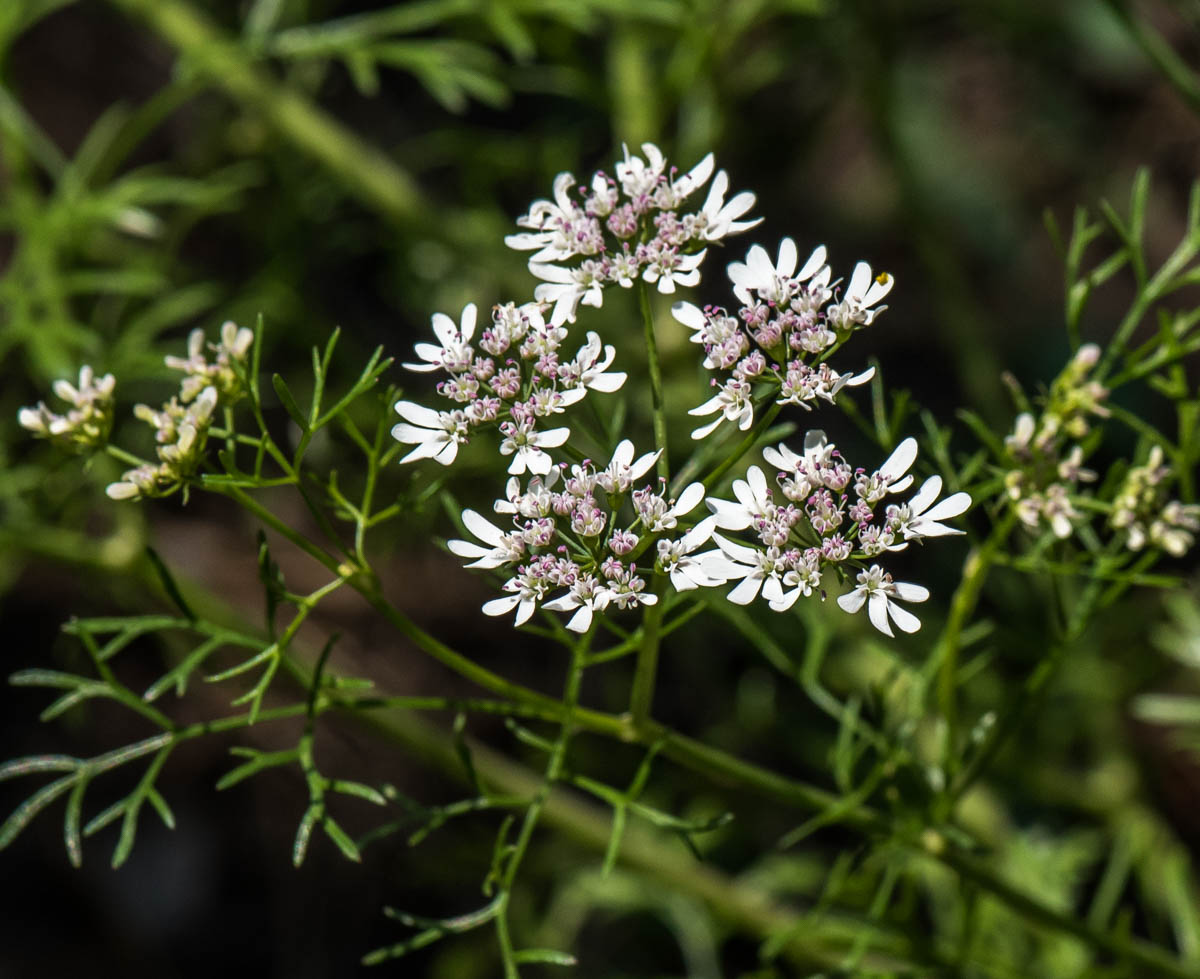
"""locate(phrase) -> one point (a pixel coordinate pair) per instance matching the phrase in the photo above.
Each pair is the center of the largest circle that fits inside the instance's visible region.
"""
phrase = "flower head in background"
(87, 422)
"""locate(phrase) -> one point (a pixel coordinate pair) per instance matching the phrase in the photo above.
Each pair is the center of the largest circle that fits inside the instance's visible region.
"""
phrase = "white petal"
(464, 548)
(498, 606)
(815, 261)
(746, 590)
(689, 499)
(729, 516)
(551, 439)
(898, 462)
(926, 495)
(787, 258)
(877, 609)
(524, 611)
(410, 411)
(689, 315)
(468, 321)
(581, 621)
(951, 506)
(607, 383)
(910, 592)
(852, 601)
(904, 619)
(482, 528)
(859, 282)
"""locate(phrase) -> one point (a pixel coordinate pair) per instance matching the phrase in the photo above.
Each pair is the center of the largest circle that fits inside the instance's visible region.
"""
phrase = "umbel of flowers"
(88, 421)
(570, 545)
(514, 376)
(181, 425)
(1047, 474)
(1047, 461)
(583, 539)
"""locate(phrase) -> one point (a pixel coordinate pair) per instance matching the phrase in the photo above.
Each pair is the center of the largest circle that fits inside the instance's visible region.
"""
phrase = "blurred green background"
(166, 164)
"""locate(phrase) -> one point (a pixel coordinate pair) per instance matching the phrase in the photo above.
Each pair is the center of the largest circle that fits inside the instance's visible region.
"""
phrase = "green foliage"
(914, 809)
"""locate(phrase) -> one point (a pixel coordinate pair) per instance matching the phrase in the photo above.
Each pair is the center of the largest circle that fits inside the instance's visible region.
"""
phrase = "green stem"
(361, 168)
(554, 770)
(744, 446)
(641, 698)
(656, 384)
(945, 654)
(122, 456)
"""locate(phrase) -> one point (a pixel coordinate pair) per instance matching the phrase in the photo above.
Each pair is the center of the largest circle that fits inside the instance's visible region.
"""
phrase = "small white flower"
(758, 570)
(890, 477)
(732, 401)
(524, 598)
(670, 268)
(878, 591)
(592, 372)
(915, 518)
(720, 219)
(1018, 442)
(774, 282)
(567, 288)
(436, 434)
(686, 569)
(588, 596)
(548, 221)
(753, 496)
(505, 548)
(862, 294)
(658, 515)
(637, 177)
(455, 353)
(1058, 511)
(622, 471)
(525, 444)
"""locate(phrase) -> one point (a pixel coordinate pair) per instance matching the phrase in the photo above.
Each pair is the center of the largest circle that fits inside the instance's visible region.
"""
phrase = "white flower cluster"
(86, 424)
(181, 425)
(516, 379)
(1138, 510)
(830, 515)
(568, 538)
(1045, 471)
(513, 376)
(788, 323)
(569, 549)
(623, 229)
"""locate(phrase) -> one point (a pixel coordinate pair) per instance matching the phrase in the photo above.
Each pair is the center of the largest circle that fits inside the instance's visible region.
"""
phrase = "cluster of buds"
(227, 370)
(86, 425)
(789, 322)
(182, 424)
(1046, 469)
(569, 540)
(617, 231)
(515, 380)
(830, 515)
(1138, 510)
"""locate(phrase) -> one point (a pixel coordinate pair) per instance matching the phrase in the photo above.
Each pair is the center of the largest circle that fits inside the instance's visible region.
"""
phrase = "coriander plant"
(609, 543)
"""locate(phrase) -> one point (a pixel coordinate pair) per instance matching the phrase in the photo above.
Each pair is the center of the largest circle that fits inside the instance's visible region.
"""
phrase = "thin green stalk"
(645, 673)
(944, 658)
(362, 169)
(744, 446)
(554, 769)
(656, 384)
